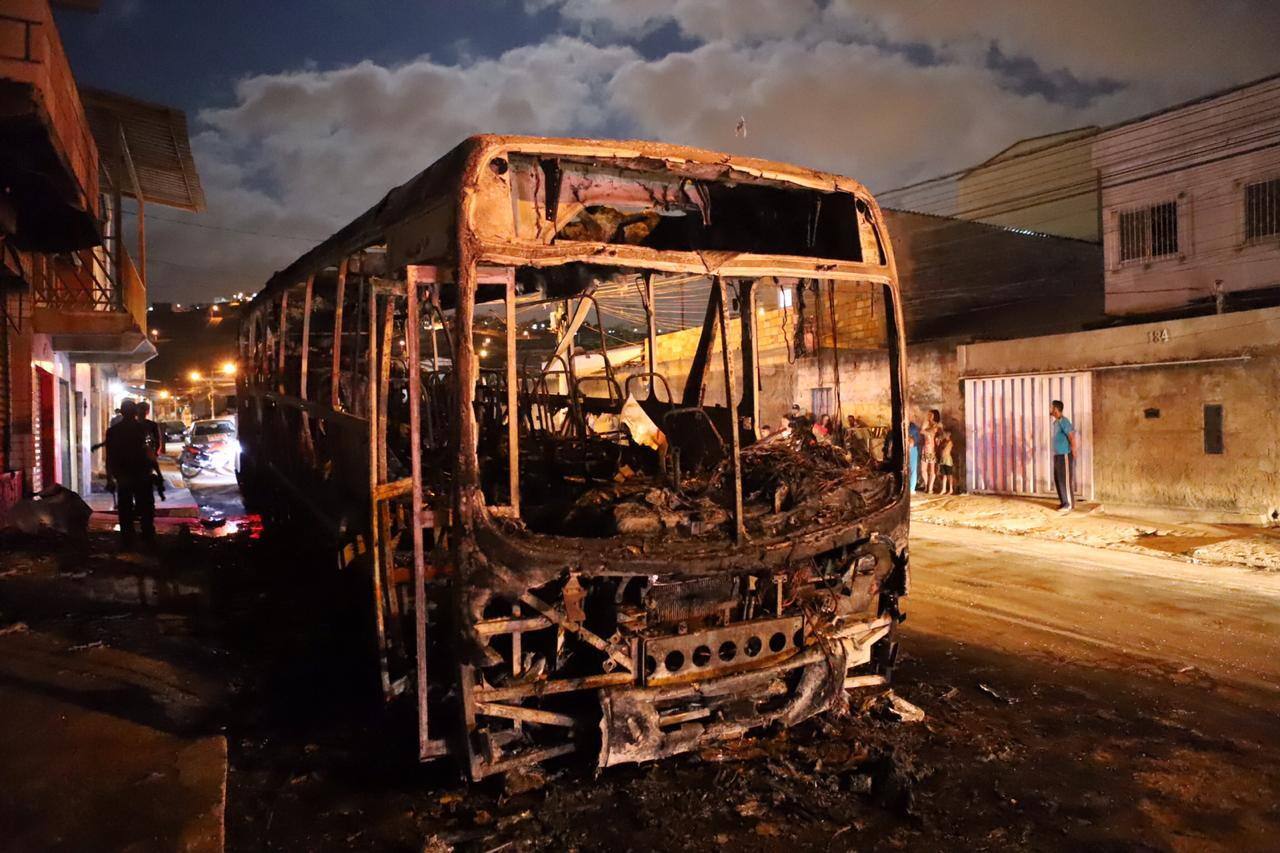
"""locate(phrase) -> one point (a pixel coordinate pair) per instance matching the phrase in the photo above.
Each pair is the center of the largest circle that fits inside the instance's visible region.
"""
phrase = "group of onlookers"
(931, 449)
(823, 428)
(931, 452)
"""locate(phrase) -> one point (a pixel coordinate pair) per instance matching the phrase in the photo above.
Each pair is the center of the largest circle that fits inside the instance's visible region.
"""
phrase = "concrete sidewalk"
(178, 501)
(1213, 544)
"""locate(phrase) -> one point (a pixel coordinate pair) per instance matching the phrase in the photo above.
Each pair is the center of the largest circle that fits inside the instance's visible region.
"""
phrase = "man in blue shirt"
(1064, 448)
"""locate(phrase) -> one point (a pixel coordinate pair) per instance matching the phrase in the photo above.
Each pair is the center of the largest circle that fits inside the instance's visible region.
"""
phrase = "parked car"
(212, 445)
(173, 430)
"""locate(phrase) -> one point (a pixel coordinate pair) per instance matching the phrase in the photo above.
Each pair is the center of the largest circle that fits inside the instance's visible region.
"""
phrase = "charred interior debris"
(603, 518)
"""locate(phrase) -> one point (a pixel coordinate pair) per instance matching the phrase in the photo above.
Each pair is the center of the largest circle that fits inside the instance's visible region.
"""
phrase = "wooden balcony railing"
(133, 293)
(87, 281)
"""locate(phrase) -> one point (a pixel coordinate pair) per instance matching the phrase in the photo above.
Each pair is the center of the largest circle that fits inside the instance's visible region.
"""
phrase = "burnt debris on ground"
(1012, 752)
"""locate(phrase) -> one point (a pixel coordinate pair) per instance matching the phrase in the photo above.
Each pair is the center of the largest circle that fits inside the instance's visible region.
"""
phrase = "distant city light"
(195, 376)
(164, 394)
(229, 368)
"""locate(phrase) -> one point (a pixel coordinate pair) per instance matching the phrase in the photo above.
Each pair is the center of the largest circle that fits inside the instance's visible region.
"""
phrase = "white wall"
(1200, 155)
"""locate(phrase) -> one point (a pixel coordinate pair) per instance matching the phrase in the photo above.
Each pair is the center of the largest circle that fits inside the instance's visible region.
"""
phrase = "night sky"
(303, 114)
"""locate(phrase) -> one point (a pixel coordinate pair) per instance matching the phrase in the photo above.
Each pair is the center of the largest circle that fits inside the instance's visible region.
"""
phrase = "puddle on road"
(1174, 544)
(221, 527)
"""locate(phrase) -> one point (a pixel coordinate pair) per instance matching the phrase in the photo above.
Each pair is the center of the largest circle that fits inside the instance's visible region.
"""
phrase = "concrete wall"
(1161, 461)
(1200, 156)
(1177, 367)
(1214, 336)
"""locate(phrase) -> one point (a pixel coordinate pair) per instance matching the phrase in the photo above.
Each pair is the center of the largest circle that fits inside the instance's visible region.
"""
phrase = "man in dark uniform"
(155, 444)
(129, 467)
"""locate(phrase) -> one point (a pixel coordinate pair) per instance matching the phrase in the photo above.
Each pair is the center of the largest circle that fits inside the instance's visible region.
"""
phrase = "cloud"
(1186, 46)
(301, 153)
(707, 20)
(1169, 48)
(887, 92)
(847, 108)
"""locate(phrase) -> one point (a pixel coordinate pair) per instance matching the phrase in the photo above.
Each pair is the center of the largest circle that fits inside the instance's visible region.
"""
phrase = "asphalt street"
(1216, 626)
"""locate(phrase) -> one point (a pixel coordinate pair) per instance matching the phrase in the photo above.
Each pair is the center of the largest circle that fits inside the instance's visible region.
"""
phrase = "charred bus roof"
(819, 223)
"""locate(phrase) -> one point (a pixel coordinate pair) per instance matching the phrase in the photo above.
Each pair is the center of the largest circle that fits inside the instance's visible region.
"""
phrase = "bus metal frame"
(439, 231)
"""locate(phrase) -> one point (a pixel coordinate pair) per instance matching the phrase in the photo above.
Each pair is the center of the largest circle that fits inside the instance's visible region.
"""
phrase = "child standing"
(946, 462)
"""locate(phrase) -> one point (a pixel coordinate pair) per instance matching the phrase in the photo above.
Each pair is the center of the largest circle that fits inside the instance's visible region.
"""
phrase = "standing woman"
(929, 447)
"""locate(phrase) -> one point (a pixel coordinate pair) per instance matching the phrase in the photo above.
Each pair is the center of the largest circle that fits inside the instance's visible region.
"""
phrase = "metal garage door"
(1007, 425)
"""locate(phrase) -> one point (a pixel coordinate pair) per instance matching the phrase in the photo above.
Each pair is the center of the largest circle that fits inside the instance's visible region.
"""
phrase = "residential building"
(1171, 396)
(74, 163)
(1044, 184)
(1172, 414)
(1191, 203)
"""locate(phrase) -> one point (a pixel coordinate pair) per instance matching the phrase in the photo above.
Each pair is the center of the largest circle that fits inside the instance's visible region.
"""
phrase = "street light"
(206, 382)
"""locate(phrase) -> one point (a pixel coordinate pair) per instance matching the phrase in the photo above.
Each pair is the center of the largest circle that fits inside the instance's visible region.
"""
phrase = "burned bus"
(615, 430)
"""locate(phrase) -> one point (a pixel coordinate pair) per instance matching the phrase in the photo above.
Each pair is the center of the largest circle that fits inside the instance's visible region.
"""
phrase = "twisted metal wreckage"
(654, 572)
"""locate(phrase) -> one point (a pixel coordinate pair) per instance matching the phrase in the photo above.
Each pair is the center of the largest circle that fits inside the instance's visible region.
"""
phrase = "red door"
(48, 449)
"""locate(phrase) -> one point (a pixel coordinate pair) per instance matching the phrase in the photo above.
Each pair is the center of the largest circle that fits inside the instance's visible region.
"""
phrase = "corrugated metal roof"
(158, 145)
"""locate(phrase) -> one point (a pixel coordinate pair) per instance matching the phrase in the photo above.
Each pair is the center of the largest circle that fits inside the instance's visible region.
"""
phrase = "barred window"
(1149, 232)
(823, 401)
(1262, 209)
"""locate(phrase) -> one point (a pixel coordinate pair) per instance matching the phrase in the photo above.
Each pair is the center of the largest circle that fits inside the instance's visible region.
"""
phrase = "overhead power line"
(209, 227)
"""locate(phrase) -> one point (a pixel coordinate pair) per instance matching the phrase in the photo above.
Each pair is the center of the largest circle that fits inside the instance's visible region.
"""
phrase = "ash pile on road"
(832, 777)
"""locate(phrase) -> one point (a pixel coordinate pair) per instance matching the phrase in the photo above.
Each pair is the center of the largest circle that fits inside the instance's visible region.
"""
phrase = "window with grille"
(1262, 209)
(823, 401)
(1149, 232)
